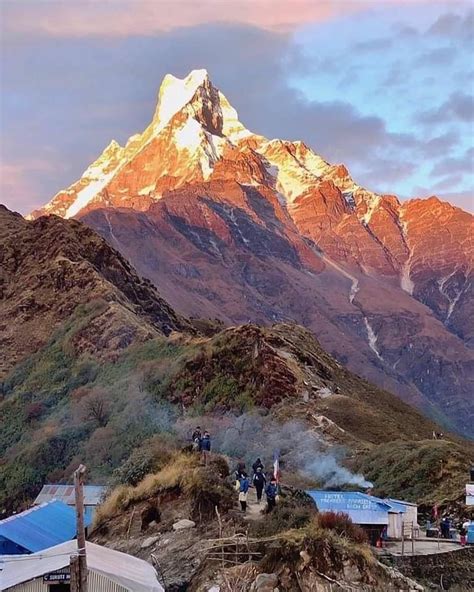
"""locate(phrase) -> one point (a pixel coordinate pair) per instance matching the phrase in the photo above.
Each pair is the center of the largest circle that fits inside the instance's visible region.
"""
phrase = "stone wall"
(441, 571)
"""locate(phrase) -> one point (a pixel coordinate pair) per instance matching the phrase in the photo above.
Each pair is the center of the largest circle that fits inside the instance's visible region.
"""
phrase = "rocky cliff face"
(232, 225)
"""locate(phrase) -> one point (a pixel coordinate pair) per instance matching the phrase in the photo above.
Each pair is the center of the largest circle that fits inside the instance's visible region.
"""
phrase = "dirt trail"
(254, 509)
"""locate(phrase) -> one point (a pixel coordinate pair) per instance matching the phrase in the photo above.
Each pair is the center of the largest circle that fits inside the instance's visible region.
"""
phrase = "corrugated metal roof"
(93, 494)
(41, 527)
(396, 505)
(132, 573)
(402, 502)
(362, 508)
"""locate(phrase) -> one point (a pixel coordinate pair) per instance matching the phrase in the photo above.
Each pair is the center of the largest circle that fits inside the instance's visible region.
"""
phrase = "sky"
(385, 87)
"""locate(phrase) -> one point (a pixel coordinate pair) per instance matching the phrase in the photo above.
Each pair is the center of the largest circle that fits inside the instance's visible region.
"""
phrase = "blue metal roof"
(362, 508)
(41, 527)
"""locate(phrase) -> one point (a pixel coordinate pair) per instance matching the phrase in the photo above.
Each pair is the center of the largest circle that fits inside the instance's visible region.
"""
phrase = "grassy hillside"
(61, 406)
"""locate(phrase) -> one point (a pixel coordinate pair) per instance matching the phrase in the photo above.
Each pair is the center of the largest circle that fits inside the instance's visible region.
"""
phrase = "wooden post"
(403, 541)
(412, 539)
(75, 574)
(81, 533)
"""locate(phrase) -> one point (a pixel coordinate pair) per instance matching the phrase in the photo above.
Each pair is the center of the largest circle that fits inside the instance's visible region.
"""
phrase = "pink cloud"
(18, 183)
(116, 18)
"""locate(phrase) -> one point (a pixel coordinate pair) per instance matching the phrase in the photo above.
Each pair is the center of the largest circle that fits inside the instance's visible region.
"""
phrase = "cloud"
(448, 182)
(373, 44)
(462, 199)
(444, 55)
(448, 166)
(458, 106)
(65, 97)
(19, 183)
(124, 18)
(384, 174)
(451, 24)
(441, 144)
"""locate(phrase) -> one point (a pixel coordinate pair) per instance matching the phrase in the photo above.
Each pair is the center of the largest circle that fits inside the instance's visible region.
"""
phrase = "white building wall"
(96, 583)
(394, 530)
(411, 515)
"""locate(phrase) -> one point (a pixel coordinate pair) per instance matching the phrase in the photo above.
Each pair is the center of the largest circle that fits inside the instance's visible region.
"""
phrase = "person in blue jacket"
(243, 491)
(205, 446)
(271, 492)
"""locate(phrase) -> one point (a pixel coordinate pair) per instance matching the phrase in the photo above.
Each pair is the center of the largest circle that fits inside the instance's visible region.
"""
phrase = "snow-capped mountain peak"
(175, 93)
(194, 128)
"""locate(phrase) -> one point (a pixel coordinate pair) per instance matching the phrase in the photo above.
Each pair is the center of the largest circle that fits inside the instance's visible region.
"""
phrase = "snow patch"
(175, 93)
(373, 204)
(111, 231)
(406, 282)
(372, 337)
(87, 194)
(235, 223)
(231, 127)
(296, 168)
(355, 282)
(148, 189)
(189, 137)
(452, 301)
(354, 290)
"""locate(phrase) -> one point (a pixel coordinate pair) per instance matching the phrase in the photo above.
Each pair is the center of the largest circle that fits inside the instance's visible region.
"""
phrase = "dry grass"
(204, 486)
(172, 476)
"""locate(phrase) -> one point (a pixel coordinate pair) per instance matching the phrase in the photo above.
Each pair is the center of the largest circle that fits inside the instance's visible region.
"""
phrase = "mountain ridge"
(221, 201)
(108, 368)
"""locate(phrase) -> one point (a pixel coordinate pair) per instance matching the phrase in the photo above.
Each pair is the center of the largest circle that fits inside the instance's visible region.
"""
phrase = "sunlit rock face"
(233, 225)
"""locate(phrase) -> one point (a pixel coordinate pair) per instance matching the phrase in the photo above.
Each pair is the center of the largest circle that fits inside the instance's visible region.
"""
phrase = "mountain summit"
(194, 131)
(230, 224)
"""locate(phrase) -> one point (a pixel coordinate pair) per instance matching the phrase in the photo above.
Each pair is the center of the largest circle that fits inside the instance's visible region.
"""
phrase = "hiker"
(463, 536)
(258, 463)
(243, 491)
(271, 492)
(205, 446)
(196, 439)
(445, 527)
(240, 470)
(259, 480)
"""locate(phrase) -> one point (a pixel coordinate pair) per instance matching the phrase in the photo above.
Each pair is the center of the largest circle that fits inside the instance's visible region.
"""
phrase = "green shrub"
(293, 511)
(149, 458)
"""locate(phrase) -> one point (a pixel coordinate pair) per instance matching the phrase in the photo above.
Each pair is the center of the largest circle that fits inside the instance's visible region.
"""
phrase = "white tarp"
(130, 572)
(470, 489)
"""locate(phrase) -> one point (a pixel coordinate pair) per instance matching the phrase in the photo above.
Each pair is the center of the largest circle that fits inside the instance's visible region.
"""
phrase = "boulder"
(149, 542)
(183, 524)
(265, 583)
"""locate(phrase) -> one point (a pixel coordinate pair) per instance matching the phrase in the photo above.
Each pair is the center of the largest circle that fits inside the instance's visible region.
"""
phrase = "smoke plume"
(300, 449)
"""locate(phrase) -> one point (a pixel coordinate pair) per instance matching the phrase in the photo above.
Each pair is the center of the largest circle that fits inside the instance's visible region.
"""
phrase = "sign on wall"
(57, 577)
